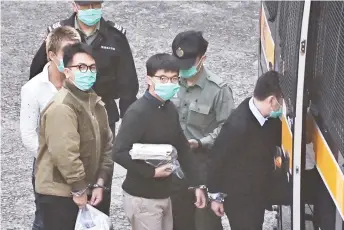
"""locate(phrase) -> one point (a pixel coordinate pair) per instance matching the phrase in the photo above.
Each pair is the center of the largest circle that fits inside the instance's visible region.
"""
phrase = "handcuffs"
(81, 192)
(218, 197)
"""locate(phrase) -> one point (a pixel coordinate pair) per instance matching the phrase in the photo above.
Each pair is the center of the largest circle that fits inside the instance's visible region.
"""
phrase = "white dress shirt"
(35, 95)
(261, 119)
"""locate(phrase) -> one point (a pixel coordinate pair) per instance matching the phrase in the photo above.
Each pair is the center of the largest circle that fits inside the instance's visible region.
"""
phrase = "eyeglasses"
(83, 68)
(164, 79)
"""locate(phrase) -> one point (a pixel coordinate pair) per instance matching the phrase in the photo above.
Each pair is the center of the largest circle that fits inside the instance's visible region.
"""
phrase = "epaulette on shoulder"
(117, 27)
(54, 26)
(216, 79)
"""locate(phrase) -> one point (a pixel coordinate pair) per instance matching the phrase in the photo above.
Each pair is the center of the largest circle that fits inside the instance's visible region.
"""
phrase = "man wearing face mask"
(153, 119)
(243, 156)
(73, 162)
(37, 93)
(116, 75)
(204, 102)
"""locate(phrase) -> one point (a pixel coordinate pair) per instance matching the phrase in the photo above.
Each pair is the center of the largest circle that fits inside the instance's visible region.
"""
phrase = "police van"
(304, 42)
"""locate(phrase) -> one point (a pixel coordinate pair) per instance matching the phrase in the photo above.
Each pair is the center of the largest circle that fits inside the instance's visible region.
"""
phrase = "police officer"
(204, 102)
(116, 74)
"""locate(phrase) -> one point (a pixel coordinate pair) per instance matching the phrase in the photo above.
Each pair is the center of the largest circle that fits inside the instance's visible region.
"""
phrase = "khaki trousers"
(148, 214)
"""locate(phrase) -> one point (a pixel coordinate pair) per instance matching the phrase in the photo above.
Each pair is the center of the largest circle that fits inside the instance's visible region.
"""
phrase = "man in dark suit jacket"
(243, 156)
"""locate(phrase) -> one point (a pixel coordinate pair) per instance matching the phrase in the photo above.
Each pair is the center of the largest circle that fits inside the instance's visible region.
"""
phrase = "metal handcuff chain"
(81, 192)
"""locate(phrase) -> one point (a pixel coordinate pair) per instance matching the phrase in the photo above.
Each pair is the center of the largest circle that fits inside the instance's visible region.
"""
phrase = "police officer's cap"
(85, 3)
(187, 46)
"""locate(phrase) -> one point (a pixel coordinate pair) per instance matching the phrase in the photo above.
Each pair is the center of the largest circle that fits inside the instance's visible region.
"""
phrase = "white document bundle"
(153, 152)
(157, 155)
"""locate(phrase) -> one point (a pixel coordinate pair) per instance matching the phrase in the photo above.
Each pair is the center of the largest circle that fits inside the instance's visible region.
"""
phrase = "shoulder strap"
(54, 26)
(117, 27)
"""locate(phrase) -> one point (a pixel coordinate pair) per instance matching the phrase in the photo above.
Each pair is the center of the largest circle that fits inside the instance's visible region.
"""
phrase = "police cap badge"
(179, 52)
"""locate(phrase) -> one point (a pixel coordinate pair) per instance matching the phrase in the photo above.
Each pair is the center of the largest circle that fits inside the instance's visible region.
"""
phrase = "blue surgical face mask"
(90, 17)
(166, 90)
(189, 73)
(84, 81)
(60, 66)
(278, 113)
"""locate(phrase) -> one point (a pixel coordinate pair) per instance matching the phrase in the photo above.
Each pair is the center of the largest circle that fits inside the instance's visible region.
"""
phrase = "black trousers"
(38, 220)
(245, 215)
(185, 214)
(183, 208)
(104, 206)
(59, 213)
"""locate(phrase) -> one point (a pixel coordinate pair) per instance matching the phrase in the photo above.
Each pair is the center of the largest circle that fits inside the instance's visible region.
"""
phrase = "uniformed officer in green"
(204, 102)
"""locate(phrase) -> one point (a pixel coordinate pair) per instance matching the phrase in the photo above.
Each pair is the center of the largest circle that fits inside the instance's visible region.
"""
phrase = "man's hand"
(193, 144)
(81, 201)
(201, 200)
(97, 196)
(217, 208)
(163, 171)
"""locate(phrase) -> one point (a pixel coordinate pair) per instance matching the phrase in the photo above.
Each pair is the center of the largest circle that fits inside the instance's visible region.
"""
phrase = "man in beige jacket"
(75, 141)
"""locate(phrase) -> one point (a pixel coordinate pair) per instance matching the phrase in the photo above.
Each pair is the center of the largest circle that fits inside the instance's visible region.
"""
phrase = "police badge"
(179, 52)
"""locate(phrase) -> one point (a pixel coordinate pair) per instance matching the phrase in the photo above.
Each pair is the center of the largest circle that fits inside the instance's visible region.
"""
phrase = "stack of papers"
(164, 152)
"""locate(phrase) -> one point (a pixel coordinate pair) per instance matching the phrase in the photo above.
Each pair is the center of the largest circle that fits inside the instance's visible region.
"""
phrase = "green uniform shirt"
(204, 107)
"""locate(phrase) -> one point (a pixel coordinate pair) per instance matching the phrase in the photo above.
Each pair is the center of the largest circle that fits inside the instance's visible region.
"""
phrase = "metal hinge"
(303, 46)
(297, 169)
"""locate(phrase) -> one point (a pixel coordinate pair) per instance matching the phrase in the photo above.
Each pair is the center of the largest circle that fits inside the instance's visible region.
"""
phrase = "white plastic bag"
(90, 218)
(176, 169)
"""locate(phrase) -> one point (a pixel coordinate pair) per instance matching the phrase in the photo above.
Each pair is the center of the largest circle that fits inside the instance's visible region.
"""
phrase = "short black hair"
(161, 61)
(70, 50)
(268, 85)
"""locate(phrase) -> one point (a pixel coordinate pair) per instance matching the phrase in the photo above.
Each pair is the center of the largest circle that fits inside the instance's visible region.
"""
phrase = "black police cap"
(85, 3)
(187, 46)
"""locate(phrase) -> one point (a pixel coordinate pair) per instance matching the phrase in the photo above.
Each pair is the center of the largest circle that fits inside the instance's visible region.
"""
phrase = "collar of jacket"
(155, 100)
(102, 27)
(86, 96)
